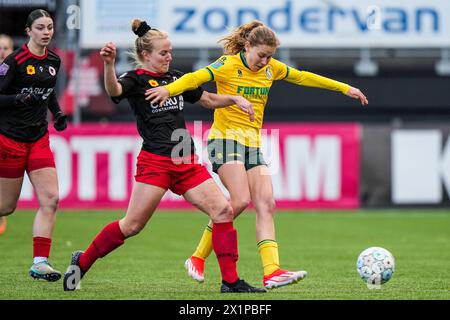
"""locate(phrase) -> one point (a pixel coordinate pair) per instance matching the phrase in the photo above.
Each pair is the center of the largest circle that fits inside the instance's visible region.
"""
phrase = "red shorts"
(162, 172)
(16, 156)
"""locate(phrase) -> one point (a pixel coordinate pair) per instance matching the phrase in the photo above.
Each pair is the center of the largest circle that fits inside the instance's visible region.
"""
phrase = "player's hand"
(60, 123)
(355, 93)
(245, 106)
(108, 53)
(28, 100)
(158, 94)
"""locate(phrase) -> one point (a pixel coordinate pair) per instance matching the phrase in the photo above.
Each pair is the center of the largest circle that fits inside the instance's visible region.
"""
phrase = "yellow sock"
(205, 246)
(268, 249)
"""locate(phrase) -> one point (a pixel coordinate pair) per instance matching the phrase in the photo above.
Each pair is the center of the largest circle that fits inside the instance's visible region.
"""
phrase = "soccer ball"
(375, 265)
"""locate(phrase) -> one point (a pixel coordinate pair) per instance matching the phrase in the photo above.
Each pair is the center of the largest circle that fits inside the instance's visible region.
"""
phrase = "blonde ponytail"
(145, 40)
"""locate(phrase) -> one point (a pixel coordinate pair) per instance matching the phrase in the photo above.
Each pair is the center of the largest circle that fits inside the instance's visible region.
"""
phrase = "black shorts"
(221, 151)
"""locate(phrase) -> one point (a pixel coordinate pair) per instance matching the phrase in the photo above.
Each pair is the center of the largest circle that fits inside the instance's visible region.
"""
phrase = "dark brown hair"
(34, 15)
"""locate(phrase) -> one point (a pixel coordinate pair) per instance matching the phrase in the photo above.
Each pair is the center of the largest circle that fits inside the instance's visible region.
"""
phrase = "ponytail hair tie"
(142, 29)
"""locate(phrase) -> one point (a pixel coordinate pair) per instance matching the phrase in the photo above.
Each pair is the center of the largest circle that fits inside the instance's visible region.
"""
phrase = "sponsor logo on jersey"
(153, 83)
(3, 69)
(219, 62)
(269, 73)
(31, 70)
(253, 91)
(52, 71)
(173, 103)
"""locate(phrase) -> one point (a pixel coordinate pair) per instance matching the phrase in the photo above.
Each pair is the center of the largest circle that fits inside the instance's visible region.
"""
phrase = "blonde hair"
(255, 32)
(144, 42)
(9, 39)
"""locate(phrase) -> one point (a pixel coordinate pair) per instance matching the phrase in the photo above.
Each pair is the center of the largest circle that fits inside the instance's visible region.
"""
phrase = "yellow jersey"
(233, 77)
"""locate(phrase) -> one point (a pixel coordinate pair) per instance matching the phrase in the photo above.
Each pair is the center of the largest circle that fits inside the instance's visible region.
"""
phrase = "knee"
(240, 204)
(6, 211)
(50, 203)
(222, 213)
(131, 228)
(266, 206)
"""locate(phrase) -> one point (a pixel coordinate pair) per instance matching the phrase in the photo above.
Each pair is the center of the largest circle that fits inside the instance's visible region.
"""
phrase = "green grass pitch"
(326, 244)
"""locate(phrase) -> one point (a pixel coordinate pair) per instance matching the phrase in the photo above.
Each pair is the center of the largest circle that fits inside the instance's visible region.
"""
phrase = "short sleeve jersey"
(163, 129)
(233, 76)
(23, 72)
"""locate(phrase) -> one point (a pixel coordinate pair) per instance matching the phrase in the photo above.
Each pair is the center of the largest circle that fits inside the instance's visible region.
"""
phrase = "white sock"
(39, 259)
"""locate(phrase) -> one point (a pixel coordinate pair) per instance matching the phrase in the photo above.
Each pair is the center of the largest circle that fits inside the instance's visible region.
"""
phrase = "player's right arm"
(216, 71)
(112, 85)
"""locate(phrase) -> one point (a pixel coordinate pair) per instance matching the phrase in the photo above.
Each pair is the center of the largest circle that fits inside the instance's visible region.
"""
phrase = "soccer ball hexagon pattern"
(375, 265)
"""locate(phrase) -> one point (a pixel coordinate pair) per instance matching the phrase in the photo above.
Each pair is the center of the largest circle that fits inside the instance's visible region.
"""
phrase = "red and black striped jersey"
(161, 127)
(23, 72)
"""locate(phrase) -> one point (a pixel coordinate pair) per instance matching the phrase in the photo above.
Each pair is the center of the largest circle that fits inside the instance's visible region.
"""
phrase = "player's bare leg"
(143, 203)
(261, 191)
(144, 200)
(9, 195)
(45, 184)
(234, 178)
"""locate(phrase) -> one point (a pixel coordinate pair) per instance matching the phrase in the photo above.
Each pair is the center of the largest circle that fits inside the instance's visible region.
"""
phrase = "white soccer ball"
(375, 265)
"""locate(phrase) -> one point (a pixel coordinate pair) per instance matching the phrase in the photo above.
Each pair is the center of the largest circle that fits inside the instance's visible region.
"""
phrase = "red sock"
(224, 239)
(41, 247)
(106, 241)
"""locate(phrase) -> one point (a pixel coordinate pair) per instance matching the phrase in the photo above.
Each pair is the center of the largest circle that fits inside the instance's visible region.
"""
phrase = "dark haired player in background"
(27, 82)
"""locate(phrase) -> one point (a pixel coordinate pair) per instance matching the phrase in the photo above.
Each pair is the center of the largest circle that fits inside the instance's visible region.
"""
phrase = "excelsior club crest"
(52, 71)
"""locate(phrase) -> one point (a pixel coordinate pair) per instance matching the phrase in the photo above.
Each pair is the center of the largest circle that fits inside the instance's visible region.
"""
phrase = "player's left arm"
(215, 101)
(309, 79)
(60, 119)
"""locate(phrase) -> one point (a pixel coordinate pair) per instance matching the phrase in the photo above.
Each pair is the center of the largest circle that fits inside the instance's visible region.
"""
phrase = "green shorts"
(221, 151)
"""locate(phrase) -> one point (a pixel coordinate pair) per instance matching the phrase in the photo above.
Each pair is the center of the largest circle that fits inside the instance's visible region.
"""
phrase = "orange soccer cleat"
(281, 277)
(2, 225)
(195, 267)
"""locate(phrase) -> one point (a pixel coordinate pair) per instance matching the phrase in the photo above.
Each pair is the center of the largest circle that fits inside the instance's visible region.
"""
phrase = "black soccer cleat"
(240, 286)
(74, 274)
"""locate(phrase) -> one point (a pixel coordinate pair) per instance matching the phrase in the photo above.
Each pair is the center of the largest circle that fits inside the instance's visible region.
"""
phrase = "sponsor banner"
(312, 166)
(405, 166)
(420, 165)
(298, 23)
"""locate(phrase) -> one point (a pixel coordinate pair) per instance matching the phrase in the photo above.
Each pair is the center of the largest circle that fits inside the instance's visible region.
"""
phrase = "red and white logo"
(52, 71)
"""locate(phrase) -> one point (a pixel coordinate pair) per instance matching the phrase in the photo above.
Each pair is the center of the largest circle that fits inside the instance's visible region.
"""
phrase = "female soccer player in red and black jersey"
(6, 48)
(164, 162)
(27, 82)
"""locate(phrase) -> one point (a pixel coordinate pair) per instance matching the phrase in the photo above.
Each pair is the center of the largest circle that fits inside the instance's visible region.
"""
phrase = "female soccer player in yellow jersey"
(248, 69)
